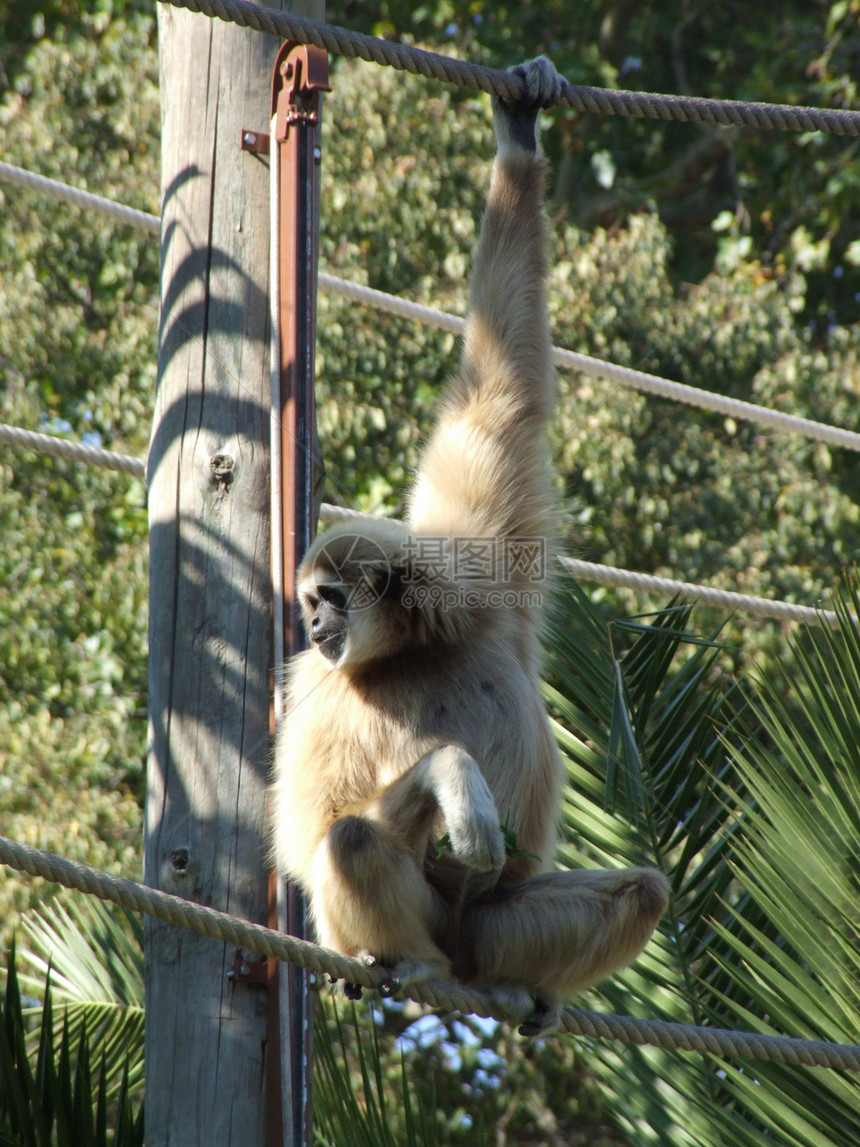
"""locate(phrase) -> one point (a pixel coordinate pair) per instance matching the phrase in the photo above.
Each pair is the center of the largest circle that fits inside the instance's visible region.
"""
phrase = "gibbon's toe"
(390, 986)
(544, 1018)
(408, 972)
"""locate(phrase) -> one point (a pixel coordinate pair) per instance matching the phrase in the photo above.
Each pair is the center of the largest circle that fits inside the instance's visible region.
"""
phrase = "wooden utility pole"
(210, 585)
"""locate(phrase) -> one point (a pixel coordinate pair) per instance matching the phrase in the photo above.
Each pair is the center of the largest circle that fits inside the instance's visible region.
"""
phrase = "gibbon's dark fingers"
(516, 124)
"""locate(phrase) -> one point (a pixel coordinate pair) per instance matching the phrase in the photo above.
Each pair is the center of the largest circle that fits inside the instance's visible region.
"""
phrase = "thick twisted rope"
(435, 993)
(598, 368)
(78, 198)
(590, 571)
(603, 101)
(75, 451)
(706, 594)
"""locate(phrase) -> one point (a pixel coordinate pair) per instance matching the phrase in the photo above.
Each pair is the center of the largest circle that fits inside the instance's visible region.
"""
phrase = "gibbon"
(417, 781)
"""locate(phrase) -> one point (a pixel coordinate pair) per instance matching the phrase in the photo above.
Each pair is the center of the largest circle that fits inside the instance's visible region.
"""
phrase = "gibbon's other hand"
(467, 807)
(516, 123)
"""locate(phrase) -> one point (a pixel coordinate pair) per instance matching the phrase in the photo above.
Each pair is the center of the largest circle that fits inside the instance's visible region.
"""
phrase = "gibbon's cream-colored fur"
(415, 726)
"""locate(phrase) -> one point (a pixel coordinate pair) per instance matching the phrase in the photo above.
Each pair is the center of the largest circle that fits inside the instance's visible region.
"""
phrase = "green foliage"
(396, 220)
(365, 1119)
(749, 801)
(794, 952)
(56, 1095)
(392, 1073)
(78, 304)
(83, 109)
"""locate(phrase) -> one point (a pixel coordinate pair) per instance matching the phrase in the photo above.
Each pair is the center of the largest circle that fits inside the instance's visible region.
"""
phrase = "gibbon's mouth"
(332, 647)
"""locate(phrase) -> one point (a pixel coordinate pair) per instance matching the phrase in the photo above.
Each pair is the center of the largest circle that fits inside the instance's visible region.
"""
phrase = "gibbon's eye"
(332, 596)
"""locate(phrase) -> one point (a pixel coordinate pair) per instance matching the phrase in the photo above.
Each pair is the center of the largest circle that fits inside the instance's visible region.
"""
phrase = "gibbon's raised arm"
(484, 472)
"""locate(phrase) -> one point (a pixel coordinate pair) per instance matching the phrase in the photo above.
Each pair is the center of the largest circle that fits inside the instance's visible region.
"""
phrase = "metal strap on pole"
(300, 75)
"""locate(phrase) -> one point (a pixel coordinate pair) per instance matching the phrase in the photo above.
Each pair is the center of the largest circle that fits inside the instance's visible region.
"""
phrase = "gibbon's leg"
(560, 932)
(370, 894)
(371, 900)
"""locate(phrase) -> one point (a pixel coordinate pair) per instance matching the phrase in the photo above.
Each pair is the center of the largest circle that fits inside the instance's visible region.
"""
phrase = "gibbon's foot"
(408, 972)
(543, 1019)
(401, 975)
(390, 986)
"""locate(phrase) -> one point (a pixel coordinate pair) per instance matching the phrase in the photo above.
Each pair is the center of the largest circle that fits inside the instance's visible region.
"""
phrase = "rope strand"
(75, 451)
(602, 101)
(78, 198)
(435, 993)
(614, 372)
(706, 594)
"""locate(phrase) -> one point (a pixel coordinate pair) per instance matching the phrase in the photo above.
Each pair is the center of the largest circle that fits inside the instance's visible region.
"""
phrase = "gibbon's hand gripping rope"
(603, 101)
(435, 993)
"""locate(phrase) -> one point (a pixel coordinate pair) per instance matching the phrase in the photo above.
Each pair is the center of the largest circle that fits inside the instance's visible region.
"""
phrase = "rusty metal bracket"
(246, 971)
(301, 73)
(300, 76)
(255, 141)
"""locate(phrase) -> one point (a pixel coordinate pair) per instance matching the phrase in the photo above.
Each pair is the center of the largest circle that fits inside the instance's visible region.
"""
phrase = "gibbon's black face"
(330, 622)
(350, 594)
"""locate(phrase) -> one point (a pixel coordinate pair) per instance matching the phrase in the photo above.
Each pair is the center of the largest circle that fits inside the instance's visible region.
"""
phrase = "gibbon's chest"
(370, 730)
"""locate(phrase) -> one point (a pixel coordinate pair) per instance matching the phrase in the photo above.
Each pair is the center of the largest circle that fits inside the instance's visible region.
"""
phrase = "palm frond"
(353, 1108)
(750, 801)
(94, 957)
(49, 1093)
